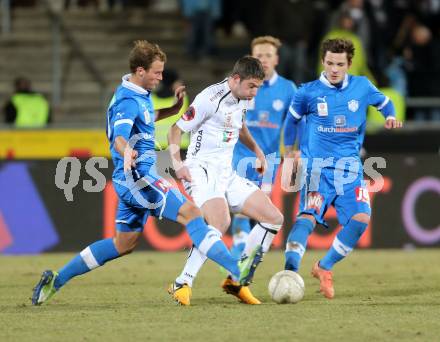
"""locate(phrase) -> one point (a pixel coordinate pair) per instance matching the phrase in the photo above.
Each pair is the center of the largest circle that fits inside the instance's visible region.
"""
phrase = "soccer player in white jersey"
(265, 121)
(216, 122)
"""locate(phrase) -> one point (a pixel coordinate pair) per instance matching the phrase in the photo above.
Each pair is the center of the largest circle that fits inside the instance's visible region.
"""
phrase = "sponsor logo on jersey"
(322, 109)
(228, 120)
(278, 105)
(362, 195)
(217, 95)
(189, 114)
(314, 201)
(198, 142)
(332, 129)
(353, 105)
(263, 116)
(340, 120)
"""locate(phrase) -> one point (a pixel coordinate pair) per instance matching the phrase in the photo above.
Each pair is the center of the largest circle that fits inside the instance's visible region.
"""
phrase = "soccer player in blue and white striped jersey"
(336, 107)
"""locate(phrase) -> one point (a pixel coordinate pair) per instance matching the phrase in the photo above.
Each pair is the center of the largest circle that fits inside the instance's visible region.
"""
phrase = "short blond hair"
(144, 54)
(266, 40)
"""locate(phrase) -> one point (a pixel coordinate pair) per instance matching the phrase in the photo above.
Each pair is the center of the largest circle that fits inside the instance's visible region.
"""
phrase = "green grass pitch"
(380, 296)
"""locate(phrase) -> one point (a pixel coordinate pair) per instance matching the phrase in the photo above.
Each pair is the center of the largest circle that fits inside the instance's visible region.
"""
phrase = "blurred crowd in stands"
(397, 41)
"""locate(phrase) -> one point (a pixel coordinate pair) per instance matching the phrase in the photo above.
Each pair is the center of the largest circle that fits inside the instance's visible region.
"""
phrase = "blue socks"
(343, 244)
(97, 254)
(208, 241)
(240, 229)
(296, 243)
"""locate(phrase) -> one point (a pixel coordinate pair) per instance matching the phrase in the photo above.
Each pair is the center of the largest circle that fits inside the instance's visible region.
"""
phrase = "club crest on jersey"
(278, 105)
(353, 105)
(189, 114)
(147, 116)
(314, 201)
(322, 109)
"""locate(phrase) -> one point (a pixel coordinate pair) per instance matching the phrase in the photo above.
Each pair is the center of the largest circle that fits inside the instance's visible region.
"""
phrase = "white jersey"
(214, 120)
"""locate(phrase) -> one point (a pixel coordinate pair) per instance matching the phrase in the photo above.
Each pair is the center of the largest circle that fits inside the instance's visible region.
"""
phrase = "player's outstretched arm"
(174, 109)
(174, 139)
(246, 138)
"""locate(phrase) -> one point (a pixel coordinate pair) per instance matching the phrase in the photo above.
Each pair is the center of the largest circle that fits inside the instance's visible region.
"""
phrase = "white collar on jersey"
(324, 80)
(130, 85)
(274, 78)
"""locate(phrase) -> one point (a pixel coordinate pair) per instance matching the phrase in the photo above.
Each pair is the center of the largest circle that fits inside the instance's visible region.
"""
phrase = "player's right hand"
(183, 173)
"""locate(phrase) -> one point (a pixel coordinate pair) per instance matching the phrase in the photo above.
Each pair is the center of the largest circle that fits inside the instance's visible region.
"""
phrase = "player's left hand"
(393, 123)
(260, 163)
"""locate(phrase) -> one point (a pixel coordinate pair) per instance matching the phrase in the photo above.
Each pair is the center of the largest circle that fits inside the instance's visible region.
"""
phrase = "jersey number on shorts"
(362, 195)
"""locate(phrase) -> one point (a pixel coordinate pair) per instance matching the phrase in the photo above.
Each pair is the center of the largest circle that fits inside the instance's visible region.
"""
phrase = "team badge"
(353, 105)
(322, 109)
(189, 114)
(278, 105)
(147, 116)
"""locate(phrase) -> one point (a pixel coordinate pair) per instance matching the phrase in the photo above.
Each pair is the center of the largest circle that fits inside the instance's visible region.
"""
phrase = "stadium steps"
(105, 38)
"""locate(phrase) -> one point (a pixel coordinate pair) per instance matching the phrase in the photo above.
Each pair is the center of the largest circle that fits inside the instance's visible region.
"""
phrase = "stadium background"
(75, 56)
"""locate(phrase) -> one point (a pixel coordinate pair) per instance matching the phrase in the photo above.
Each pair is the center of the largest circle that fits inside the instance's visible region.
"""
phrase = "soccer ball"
(286, 287)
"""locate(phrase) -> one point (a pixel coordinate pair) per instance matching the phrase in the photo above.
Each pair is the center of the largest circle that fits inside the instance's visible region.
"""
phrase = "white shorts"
(210, 181)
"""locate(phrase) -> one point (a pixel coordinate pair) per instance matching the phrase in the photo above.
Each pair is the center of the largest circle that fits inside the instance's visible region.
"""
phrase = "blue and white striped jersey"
(336, 116)
(131, 115)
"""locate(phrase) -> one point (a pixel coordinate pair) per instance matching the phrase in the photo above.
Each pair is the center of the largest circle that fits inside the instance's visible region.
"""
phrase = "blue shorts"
(348, 199)
(244, 165)
(152, 195)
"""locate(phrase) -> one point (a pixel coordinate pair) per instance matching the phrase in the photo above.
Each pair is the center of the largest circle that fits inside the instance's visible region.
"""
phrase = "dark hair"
(338, 45)
(248, 67)
(22, 84)
(144, 54)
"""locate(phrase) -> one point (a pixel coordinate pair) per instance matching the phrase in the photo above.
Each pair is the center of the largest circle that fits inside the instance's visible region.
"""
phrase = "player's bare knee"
(275, 217)
(309, 217)
(222, 222)
(361, 217)
(189, 211)
(278, 218)
(125, 244)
